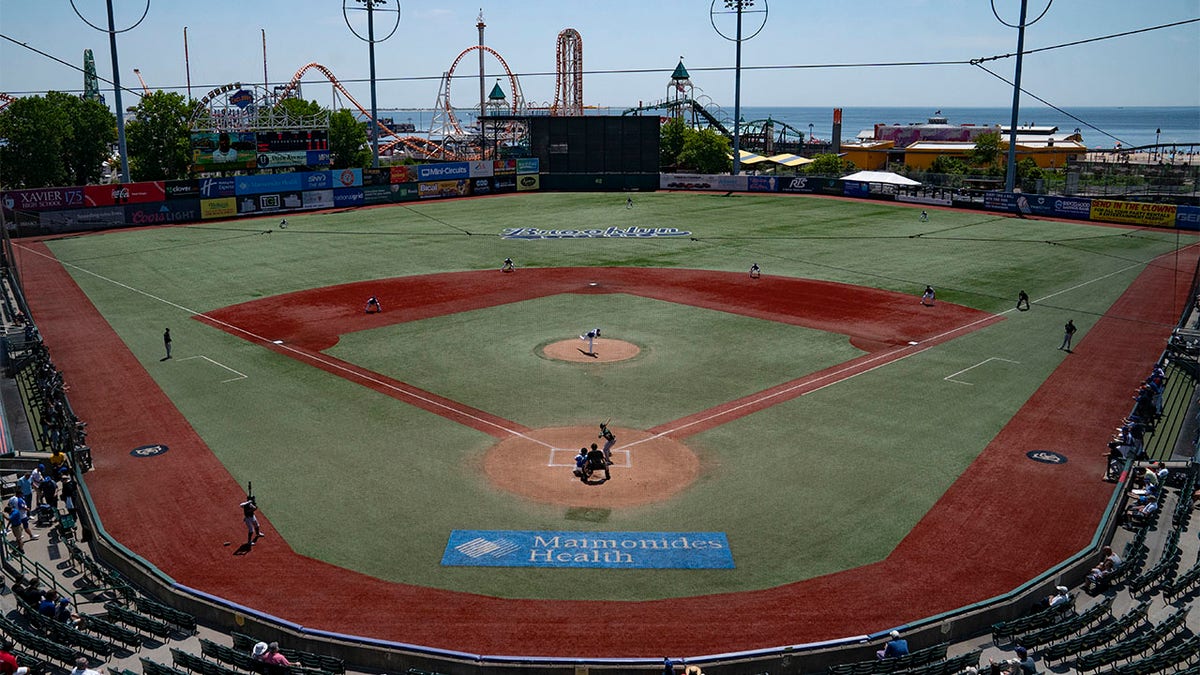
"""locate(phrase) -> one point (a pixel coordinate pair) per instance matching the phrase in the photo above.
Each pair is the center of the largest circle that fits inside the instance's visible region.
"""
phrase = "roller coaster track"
(416, 144)
(5, 99)
(696, 106)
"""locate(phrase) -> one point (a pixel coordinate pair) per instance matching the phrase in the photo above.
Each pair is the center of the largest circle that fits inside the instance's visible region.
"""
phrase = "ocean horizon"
(1100, 127)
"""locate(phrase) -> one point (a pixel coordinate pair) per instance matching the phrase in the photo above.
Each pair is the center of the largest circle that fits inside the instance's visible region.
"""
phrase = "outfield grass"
(827, 481)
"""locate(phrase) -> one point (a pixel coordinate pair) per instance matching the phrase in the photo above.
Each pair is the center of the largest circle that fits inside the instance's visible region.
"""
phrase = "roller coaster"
(764, 135)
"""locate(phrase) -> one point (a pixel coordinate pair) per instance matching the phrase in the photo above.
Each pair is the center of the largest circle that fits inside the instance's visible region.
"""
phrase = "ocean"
(1099, 127)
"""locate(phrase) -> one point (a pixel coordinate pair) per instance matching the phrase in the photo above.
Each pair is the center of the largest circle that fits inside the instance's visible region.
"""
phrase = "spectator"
(669, 666)
(1107, 565)
(1145, 507)
(1059, 598)
(1022, 665)
(8, 662)
(81, 667)
(47, 605)
(894, 647)
(258, 651)
(274, 658)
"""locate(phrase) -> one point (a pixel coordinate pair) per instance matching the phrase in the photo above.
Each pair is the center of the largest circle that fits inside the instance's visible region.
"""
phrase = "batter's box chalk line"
(558, 455)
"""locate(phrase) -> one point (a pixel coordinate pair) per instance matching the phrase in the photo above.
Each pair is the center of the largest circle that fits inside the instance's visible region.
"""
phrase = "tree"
(949, 165)
(32, 131)
(90, 131)
(158, 137)
(987, 149)
(347, 141)
(671, 140)
(706, 151)
(827, 164)
(1027, 169)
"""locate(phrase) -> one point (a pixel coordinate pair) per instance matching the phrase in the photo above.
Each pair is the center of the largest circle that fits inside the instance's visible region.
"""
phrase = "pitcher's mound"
(538, 465)
(604, 350)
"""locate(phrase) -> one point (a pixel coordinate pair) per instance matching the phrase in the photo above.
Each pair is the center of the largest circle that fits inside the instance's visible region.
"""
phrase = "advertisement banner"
(346, 178)
(279, 182)
(377, 194)
(481, 186)
(404, 174)
(853, 188)
(445, 188)
(182, 189)
(376, 177)
(406, 192)
(482, 169)
(1056, 207)
(318, 158)
(763, 183)
(1187, 217)
(76, 220)
(225, 207)
(174, 211)
(1000, 201)
(799, 184)
(1133, 213)
(502, 167)
(348, 197)
(528, 182)
(211, 188)
(447, 171)
(316, 180)
(611, 550)
(527, 165)
(126, 193)
(504, 183)
(318, 199)
(931, 198)
(42, 199)
(282, 159)
(254, 204)
(697, 181)
(224, 151)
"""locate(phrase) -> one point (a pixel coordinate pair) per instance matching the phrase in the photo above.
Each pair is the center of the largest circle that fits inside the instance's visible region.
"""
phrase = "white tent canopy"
(880, 177)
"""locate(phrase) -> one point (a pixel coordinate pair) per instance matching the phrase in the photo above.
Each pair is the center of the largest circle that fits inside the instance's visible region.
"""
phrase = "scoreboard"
(290, 141)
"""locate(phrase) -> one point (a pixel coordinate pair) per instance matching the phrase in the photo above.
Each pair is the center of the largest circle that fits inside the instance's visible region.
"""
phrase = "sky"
(1155, 68)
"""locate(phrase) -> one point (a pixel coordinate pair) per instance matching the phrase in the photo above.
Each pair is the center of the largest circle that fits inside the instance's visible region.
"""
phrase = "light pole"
(738, 7)
(116, 70)
(370, 40)
(810, 128)
(1157, 147)
(1010, 176)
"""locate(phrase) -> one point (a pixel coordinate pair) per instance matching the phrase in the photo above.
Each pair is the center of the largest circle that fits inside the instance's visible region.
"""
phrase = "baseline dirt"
(174, 509)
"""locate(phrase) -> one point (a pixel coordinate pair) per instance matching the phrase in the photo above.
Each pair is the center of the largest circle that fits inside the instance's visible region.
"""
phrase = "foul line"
(298, 352)
(240, 376)
(950, 377)
(463, 413)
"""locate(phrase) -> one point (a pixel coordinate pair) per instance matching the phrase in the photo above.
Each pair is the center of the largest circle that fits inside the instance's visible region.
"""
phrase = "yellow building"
(1049, 152)
(868, 155)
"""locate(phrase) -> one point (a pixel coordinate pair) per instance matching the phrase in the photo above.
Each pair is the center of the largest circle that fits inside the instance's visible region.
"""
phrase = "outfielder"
(590, 336)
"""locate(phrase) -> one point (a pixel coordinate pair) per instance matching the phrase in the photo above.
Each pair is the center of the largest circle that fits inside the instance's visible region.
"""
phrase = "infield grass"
(827, 481)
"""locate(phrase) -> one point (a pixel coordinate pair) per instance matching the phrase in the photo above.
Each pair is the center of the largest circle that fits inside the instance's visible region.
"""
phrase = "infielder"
(507, 266)
(373, 305)
(927, 297)
(755, 272)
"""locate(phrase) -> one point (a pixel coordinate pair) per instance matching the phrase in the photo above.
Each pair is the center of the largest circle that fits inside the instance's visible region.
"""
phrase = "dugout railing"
(961, 624)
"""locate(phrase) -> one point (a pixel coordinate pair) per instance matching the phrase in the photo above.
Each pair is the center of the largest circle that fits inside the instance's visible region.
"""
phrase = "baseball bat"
(249, 489)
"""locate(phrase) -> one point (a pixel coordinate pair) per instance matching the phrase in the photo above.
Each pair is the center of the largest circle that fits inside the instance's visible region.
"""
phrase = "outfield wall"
(96, 207)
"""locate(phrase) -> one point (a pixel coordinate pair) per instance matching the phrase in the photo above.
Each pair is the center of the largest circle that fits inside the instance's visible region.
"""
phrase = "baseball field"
(863, 455)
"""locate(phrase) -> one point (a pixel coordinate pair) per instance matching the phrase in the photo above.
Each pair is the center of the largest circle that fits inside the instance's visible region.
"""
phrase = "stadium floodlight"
(737, 7)
(122, 151)
(370, 7)
(1010, 175)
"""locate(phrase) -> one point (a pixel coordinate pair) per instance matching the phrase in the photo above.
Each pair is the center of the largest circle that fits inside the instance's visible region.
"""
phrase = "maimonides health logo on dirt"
(632, 550)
